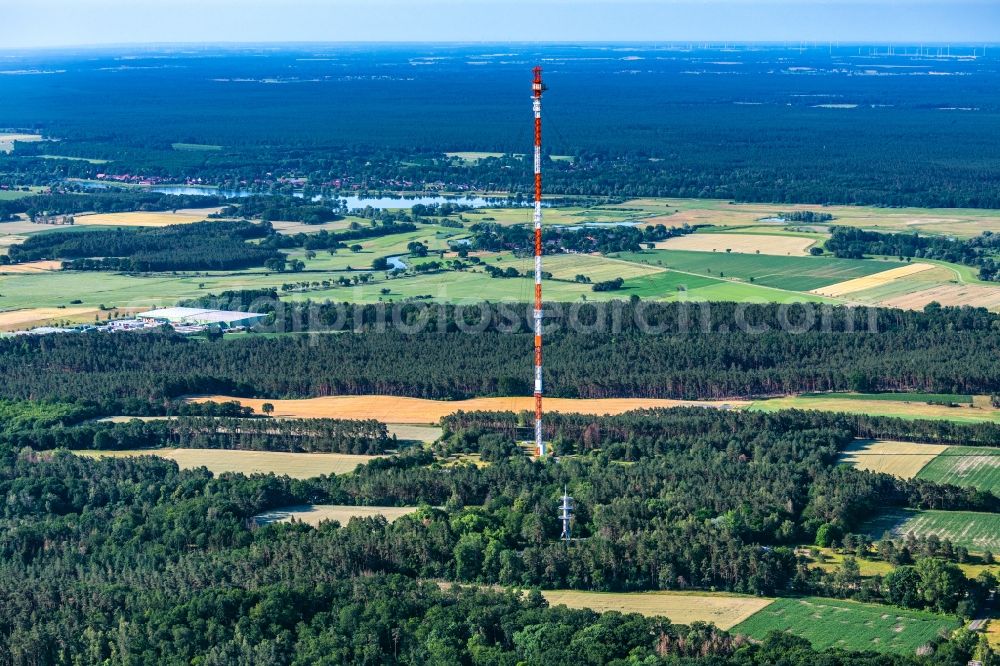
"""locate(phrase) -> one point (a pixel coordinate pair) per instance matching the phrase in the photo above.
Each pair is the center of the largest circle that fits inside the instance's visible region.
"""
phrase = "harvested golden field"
(7, 140)
(31, 267)
(314, 514)
(959, 222)
(870, 281)
(743, 243)
(723, 610)
(21, 320)
(295, 465)
(902, 459)
(18, 319)
(948, 294)
(145, 218)
(394, 409)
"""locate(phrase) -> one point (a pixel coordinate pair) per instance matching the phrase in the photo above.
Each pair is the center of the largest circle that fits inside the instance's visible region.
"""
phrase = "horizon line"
(697, 43)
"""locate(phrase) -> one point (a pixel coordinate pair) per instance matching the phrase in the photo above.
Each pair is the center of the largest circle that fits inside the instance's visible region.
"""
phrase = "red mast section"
(536, 102)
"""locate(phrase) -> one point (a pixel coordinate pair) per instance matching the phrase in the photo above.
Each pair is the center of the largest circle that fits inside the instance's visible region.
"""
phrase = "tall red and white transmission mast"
(536, 101)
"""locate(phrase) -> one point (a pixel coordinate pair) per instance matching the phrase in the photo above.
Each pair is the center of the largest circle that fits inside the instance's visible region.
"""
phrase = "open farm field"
(740, 243)
(145, 218)
(926, 398)
(848, 624)
(876, 280)
(291, 228)
(434, 237)
(393, 409)
(218, 461)
(993, 632)
(12, 233)
(195, 147)
(723, 610)
(31, 267)
(88, 160)
(563, 215)
(11, 195)
(902, 459)
(970, 466)
(7, 140)
(959, 222)
(979, 411)
(978, 532)
(830, 560)
(15, 320)
(791, 273)
(597, 268)
(414, 433)
(903, 288)
(973, 295)
(146, 290)
(314, 514)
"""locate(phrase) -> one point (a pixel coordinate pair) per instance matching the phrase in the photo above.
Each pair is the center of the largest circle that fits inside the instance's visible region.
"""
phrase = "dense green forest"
(686, 125)
(198, 246)
(655, 350)
(135, 561)
(203, 432)
(61, 202)
(497, 238)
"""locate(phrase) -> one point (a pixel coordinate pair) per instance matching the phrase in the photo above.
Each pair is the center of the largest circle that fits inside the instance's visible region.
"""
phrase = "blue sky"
(38, 23)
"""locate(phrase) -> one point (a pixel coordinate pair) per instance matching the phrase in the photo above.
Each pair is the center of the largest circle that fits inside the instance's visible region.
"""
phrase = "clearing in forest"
(849, 625)
(978, 532)
(395, 409)
(145, 218)
(741, 243)
(314, 514)
(724, 610)
(902, 459)
(876, 280)
(218, 461)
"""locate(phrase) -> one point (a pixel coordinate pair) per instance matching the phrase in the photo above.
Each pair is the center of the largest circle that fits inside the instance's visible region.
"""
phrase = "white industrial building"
(224, 319)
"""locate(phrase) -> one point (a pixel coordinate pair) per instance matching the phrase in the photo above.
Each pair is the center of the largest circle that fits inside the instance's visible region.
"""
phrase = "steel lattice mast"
(536, 102)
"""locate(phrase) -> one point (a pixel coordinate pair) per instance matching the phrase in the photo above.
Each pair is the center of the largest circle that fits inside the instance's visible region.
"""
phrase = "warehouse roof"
(198, 315)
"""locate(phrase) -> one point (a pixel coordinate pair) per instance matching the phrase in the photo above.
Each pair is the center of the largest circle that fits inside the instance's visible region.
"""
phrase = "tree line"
(642, 350)
(981, 251)
(366, 437)
(197, 246)
(521, 238)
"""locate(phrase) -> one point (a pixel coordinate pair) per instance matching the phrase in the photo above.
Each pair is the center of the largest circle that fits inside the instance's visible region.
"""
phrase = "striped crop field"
(968, 466)
(848, 625)
(978, 532)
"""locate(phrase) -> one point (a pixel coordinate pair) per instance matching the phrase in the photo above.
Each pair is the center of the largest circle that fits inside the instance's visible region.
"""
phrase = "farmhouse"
(224, 319)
